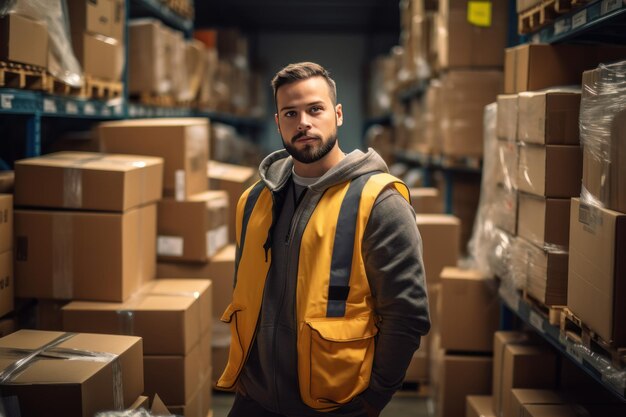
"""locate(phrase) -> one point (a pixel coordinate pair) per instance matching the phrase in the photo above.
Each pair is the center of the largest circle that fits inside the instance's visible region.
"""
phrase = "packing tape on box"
(51, 350)
(73, 175)
(72, 188)
(62, 256)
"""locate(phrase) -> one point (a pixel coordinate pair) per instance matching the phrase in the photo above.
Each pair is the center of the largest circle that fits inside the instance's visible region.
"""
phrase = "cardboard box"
(100, 56)
(24, 40)
(441, 234)
(118, 20)
(523, 366)
(79, 255)
(182, 143)
(550, 171)
(596, 290)
(88, 181)
(549, 117)
(174, 378)
(220, 269)
(6, 283)
(49, 315)
(194, 229)
(462, 376)
(464, 97)
(506, 124)
(542, 272)
(479, 406)
(469, 310)
(500, 340)
(220, 348)
(6, 222)
(507, 163)
(156, 310)
(418, 367)
(93, 16)
(531, 67)
(147, 66)
(141, 402)
(73, 388)
(604, 164)
(199, 405)
(544, 221)
(426, 200)
(233, 179)
(7, 181)
(522, 397)
(7, 326)
(465, 43)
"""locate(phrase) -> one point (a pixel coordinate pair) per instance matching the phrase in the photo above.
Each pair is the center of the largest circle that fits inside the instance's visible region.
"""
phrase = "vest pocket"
(232, 315)
(340, 356)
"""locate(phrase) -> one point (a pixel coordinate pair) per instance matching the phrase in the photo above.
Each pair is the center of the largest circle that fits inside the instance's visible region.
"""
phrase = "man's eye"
(316, 109)
(290, 114)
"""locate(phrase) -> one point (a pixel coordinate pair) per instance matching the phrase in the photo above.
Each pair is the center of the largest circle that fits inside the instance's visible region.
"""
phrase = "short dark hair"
(303, 71)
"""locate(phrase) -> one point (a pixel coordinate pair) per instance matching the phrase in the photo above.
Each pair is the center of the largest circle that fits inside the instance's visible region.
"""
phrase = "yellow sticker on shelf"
(479, 13)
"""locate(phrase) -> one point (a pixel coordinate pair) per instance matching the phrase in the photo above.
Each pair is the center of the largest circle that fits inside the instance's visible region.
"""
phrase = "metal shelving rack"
(596, 366)
(36, 106)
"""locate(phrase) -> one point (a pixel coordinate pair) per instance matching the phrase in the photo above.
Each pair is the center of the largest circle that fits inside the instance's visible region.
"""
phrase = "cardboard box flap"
(223, 171)
(93, 161)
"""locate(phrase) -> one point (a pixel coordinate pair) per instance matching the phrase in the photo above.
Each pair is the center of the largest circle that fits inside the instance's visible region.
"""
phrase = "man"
(329, 300)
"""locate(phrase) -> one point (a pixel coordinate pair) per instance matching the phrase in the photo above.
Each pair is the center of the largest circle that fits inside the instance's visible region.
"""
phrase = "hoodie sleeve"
(392, 250)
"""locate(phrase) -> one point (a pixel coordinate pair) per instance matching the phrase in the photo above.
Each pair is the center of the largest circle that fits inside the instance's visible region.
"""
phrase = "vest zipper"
(295, 219)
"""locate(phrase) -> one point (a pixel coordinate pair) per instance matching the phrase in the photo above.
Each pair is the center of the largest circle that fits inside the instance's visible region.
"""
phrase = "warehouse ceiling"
(352, 16)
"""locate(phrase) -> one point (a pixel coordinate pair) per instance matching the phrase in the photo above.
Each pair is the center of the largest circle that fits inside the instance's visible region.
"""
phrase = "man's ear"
(339, 114)
(276, 120)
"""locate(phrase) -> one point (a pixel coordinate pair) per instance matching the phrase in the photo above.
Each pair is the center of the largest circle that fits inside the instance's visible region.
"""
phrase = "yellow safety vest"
(336, 323)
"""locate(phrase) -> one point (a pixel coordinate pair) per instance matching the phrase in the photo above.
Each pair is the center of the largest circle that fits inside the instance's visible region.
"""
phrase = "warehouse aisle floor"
(403, 404)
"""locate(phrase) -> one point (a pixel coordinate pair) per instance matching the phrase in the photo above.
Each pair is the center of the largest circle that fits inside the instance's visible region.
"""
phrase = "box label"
(49, 106)
(536, 321)
(590, 217)
(561, 26)
(6, 101)
(579, 19)
(170, 246)
(609, 5)
(479, 13)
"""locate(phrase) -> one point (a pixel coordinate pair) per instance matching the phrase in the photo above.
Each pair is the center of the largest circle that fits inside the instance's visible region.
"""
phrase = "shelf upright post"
(33, 135)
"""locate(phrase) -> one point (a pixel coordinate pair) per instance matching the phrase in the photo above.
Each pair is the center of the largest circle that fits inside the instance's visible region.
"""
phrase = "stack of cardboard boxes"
(467, 313)
(97, 29)
(598, 218)
(7, 283)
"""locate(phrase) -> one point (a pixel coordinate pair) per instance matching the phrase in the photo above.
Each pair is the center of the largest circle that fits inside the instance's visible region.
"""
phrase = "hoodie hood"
(276, 169)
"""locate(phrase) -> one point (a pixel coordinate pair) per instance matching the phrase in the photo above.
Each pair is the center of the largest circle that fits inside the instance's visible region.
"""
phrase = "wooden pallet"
(551, 313)
(573, 328)
(98, 89)
(158, 100)
(60, 87)
(22, 76)
(183, 8)
(542, 14)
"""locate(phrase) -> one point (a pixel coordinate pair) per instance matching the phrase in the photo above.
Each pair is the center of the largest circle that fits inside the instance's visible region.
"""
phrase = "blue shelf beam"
(156, 9)
(602, 20)
(600, 369)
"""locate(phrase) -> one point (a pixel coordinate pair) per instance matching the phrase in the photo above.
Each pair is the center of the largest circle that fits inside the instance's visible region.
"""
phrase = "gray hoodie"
(392, 251)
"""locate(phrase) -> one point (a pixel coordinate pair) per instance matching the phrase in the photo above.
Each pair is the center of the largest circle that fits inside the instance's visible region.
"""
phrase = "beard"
(311, 152)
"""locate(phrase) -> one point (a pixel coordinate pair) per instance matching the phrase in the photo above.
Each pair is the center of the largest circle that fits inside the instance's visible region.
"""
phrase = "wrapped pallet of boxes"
(15, 29)
(7, 282)
(89, 229)
(182, 143)
(70, 374)
(173, 317)
(97, 37)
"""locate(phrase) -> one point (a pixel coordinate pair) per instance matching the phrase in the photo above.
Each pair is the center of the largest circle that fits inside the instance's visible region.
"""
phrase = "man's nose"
(303, 123)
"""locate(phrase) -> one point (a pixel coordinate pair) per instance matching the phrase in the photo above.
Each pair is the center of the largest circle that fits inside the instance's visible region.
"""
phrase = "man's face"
(307, 119)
